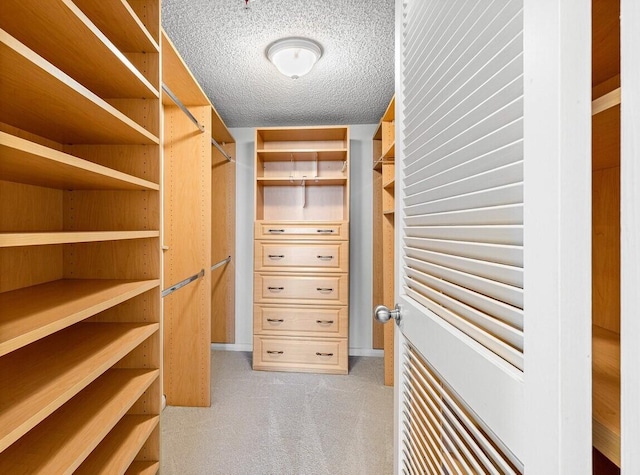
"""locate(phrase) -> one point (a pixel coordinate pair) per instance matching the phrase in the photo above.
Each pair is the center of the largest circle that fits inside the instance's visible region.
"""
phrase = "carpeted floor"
(283, 423)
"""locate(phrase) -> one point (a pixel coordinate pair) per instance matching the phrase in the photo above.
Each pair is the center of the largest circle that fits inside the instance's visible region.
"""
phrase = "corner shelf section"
(27, 162)
(32, 313)
(61, 442)
(66, 111)
(36, 386)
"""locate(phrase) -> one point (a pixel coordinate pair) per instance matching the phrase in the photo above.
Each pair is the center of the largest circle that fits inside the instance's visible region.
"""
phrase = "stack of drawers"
(301, 292)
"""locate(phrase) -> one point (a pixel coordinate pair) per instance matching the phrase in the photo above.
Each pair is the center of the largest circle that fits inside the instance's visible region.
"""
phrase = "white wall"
(360, 248)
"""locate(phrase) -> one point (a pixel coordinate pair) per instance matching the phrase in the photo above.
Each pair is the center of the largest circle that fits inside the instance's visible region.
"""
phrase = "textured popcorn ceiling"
(224, 46)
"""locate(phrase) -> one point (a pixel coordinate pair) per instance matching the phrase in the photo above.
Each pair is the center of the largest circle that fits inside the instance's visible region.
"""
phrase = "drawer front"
(300, 288)
(296, 354)
(324, 231)
(296, 321)
(307, 257)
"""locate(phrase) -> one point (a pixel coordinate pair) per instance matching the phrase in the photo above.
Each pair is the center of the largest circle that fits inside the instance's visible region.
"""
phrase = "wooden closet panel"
(30, 265)
(223, 303)
(40, 208)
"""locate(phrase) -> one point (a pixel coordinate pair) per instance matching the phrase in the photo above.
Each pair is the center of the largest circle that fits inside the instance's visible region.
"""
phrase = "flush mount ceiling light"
(294, 57)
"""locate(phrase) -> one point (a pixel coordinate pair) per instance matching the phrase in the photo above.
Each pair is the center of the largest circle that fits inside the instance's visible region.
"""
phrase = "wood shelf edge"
(70, 237)
(143, 468)
(606, 101)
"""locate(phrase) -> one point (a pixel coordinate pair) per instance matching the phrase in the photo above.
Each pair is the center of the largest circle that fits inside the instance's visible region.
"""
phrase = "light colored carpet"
(283, 423)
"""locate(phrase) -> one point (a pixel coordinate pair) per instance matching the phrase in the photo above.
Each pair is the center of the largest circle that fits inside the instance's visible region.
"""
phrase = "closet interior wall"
(606, 232)
(199, 230)
(80, 313)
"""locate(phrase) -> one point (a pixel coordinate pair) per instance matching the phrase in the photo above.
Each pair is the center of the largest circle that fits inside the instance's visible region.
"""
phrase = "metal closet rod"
(182, 283)
(221, 263)
(182, 107)
(217, 145)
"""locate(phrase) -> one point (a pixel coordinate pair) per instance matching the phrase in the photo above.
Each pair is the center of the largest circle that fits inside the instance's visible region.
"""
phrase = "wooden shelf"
(61, 442)
(607, 101)
(377, 165)
(53, 105)
(70, 237)
(121, 24)
(390, 152)
(59, 32)
(118, 449)
(177, 76)
(219, 131)
(285, 181)
(606, 393)
(300, 155)
(23, 161)
(389, 212)
(143, 468)
(41, 377)
(300, 134)
(390, 185)
(32, 313)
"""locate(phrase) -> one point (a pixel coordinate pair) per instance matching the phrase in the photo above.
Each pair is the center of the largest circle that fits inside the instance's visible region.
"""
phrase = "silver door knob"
(383, 314)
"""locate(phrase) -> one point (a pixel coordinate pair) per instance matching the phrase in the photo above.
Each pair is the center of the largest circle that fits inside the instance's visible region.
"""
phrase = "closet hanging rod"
(222, 151)
(182, 107)
(221, 263)
(181, 284)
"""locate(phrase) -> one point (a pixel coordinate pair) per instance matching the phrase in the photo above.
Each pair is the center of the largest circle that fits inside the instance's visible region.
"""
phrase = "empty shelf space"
(41, 377)
(59, 32)
(120, 23)
(27, 162)
(377, 165)
(118, 449)
(606, 393)
(70, 237)
(269, 155)
(32, 313)
(390, 151)
(55, 106)
(390, 184)
(308, 181)
(143, 468)
(62, 441)
(607, 101)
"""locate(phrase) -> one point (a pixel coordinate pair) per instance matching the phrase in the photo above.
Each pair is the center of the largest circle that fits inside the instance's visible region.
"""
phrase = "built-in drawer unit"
(302, 256)
(291, 320)
(301, 288)
(292, 230)
(299, 354)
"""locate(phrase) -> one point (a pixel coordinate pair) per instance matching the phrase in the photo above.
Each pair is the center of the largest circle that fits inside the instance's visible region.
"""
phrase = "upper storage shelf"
(299, 155)
(308, 139)
(59, 32)
(55, 106)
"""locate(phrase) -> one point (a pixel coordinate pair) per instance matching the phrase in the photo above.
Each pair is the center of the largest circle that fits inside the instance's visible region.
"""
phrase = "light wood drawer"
(304, 355)
(301, 288)
(273, 230)
(302, 257)
(287, 320)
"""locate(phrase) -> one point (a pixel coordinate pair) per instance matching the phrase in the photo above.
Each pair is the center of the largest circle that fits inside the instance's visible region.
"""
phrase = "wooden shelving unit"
(606, 95)
(301, 240)
(79, 235)
(383, 230)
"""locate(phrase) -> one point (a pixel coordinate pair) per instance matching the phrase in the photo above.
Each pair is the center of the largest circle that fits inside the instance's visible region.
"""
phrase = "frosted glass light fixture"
(294, 57)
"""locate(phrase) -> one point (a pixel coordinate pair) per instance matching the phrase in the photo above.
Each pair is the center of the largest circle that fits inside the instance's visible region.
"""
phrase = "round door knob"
(383, 314)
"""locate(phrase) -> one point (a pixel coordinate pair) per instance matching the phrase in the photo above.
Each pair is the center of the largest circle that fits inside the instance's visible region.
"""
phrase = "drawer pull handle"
(275, 289)
(276, 230)
(275, 320)
(325, 258)
(323, 354)
(325, 231)
(276, 256)
(324, 322)
(273, 352)
(324, 289)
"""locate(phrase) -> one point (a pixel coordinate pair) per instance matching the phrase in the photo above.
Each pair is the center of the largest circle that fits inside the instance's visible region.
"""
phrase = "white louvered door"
(461, 238)
(464, 193)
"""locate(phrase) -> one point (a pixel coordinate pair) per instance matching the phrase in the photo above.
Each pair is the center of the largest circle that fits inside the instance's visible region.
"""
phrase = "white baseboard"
(232, 346)
(366, 352)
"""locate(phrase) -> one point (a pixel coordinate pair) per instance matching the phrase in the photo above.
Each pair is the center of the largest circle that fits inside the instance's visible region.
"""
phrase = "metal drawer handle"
(325, 230)
(273, 352)
(275, 289)
(275, 320)
(276, 230)
(323, 354)
(276, 256)
(325, 258)
(324, 322)
(324, 289)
